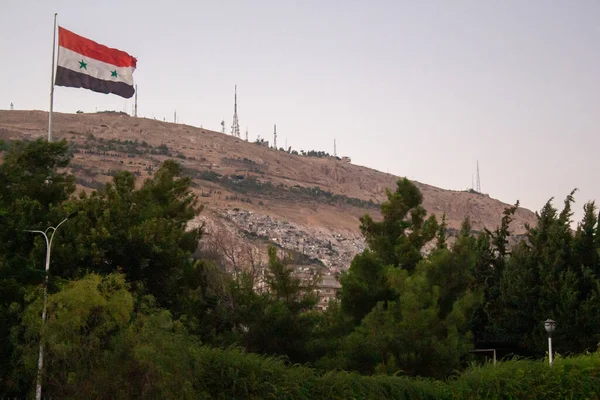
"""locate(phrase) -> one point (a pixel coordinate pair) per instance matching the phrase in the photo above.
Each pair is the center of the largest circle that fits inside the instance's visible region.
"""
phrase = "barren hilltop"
(307, 204)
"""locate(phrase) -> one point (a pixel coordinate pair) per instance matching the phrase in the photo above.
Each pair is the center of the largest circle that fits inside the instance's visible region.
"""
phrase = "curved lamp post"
(38, 387)
(550, 325)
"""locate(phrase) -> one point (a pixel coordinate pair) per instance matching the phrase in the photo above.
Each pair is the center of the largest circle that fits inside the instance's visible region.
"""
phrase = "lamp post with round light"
(549, 325)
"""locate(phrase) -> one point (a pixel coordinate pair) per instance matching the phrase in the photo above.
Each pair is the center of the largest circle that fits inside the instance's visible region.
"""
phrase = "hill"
(252, 193)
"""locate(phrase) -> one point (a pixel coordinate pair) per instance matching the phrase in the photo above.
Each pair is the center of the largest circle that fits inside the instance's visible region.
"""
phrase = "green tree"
(394, 242)
(441, 235)
(141, 232)
(552, 275)
(426, 330)
(399, 238)
(33, 185)
(101, 344)
(281, 320)
(364, 285)
(205, 303)
(414, 313)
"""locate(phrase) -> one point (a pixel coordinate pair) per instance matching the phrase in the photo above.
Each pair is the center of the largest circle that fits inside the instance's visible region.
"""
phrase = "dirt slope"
(321, 197)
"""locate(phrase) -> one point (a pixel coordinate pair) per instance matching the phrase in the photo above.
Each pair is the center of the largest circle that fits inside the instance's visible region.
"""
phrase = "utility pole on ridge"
(478, 180)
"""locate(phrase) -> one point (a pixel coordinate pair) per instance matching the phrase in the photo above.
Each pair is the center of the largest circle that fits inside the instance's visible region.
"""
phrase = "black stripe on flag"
(67, 77)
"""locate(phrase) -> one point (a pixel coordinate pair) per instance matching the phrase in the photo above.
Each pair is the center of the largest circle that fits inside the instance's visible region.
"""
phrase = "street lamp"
(38, 388)
(549, 325)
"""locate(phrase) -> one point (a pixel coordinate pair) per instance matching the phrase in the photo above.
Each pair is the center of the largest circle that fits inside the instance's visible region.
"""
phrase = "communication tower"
(275, 137)
(235, 126)
(12, 106)
(334, 149)
(246, 134)
(478, 180)
(223, 126)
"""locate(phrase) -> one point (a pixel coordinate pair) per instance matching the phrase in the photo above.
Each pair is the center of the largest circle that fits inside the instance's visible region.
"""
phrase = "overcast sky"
(421, 89)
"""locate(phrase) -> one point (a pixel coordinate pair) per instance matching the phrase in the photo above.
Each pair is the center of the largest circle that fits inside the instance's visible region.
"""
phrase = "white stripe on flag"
(97, 69)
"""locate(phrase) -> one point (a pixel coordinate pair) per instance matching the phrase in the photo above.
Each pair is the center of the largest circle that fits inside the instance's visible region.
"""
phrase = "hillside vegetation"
(136, 308)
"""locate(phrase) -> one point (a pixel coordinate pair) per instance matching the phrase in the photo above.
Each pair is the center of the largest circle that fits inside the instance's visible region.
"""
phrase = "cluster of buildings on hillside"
(326, 286)
(327, 290)
(321, 256)
(335, 251)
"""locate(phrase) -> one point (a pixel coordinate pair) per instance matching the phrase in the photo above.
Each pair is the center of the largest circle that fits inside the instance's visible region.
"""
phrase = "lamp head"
(549, 325)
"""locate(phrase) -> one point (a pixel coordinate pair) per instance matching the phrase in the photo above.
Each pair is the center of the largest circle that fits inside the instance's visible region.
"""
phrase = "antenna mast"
(246, 134)
(334, 149)
(223, 126)
(275, 137)
(478, 180)
(235, 126)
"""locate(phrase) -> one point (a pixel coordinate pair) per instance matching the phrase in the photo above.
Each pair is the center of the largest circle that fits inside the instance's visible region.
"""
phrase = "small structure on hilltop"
(346, 159)
(261, 142)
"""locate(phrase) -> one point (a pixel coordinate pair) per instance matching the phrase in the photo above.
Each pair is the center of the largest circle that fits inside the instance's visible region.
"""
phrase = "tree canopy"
(131, 291)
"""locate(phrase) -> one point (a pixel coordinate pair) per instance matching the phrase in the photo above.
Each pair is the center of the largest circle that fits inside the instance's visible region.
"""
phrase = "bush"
(233, 374)
(227, 374)
(568, 378)
(93, 331)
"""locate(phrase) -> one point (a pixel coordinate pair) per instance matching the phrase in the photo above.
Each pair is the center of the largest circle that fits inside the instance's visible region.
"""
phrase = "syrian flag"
(83, 63)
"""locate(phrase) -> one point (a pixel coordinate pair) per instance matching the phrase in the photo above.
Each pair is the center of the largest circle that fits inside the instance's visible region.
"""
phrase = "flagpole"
(52, 83)
(135, 109)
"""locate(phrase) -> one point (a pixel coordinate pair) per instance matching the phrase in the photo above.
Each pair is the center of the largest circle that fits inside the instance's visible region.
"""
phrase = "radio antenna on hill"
(275, 137)
(235, 126)
(223, 126)
(175, 116)
(334, 149)
(12, 106)
(478, 180)
(246, 134)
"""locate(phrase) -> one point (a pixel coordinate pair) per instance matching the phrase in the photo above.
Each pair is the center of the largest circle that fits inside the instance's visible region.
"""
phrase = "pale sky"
(421, 89)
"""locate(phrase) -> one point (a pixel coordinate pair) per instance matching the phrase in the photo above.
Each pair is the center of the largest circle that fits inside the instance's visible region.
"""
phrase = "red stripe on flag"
(89, 48)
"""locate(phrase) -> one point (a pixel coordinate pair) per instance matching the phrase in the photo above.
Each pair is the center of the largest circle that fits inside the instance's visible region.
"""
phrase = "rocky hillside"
(307, 204)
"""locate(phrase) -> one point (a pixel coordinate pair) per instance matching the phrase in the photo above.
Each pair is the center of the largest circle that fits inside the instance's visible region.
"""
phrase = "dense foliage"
(131, 291)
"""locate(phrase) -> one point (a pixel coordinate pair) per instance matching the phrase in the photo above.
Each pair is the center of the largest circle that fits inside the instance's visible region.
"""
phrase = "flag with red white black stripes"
(83, 63)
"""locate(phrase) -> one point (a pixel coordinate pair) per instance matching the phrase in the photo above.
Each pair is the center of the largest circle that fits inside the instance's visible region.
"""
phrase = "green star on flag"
(113, 73)
(82, 64)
